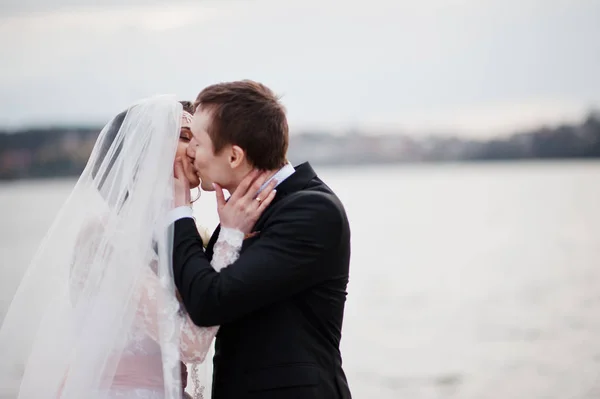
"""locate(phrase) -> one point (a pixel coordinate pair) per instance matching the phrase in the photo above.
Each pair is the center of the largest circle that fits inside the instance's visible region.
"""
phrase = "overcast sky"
(479, 67)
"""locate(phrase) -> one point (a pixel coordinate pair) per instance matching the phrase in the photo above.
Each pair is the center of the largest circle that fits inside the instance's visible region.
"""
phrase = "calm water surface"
(467, 281)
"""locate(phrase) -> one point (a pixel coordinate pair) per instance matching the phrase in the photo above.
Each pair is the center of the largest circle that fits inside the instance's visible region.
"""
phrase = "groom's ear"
(237, 156)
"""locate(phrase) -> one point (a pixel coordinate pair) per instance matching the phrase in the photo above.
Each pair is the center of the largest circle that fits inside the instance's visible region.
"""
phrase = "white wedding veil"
(70, 321)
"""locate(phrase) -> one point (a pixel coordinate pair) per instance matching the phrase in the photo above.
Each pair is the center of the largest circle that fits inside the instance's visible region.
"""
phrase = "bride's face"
(185, 135)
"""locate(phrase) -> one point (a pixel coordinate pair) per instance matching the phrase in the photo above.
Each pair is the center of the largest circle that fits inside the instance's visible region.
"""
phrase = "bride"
(97, 314)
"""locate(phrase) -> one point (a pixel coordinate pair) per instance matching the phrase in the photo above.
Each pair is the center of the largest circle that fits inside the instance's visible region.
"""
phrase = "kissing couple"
(124, 293)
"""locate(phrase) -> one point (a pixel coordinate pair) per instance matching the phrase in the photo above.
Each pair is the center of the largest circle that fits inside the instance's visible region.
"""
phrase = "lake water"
(467, 281)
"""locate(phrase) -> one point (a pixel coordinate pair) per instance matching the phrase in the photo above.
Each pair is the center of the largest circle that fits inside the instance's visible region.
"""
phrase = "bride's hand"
(181, 186)
(244, 207)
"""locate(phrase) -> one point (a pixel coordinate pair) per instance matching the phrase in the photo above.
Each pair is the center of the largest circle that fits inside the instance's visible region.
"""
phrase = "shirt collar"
(280, 176)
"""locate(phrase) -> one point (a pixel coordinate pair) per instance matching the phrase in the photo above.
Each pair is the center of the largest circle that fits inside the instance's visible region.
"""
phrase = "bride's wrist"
(232, 236)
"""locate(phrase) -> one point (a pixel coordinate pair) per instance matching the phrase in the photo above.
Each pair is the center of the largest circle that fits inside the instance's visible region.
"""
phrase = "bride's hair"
(112, 131)
(188, 106)
(104, 145)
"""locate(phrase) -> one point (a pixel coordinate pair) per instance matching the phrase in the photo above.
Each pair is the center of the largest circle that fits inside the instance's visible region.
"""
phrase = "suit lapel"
(211, 243)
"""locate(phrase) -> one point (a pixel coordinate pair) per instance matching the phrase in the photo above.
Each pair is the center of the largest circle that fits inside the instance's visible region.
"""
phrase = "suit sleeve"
(282, 262)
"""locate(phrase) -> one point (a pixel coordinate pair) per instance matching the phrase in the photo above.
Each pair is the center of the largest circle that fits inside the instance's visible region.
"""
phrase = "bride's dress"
(84, 322)
(139, 374)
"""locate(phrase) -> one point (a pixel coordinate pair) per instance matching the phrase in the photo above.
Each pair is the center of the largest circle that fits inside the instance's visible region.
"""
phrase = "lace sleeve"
(194, 341)
(226, 251)
(227, 248)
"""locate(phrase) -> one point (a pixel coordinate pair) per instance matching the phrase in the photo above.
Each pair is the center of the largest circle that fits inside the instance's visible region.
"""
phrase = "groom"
(281, 304)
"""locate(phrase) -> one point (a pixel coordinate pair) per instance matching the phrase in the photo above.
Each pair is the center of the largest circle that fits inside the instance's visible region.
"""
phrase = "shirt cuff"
(181, 212)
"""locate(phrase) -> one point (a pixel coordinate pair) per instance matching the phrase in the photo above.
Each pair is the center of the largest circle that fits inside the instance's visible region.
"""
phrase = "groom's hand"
(246, 204)
(181, 187)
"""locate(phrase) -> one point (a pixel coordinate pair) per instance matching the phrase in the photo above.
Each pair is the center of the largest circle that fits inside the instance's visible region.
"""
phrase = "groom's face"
(211, 167)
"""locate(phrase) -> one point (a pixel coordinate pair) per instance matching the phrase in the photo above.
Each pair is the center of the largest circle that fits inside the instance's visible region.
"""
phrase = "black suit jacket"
(281, 304)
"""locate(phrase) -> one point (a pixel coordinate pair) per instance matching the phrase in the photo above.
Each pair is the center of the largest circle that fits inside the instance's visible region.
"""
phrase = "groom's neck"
(270, 174)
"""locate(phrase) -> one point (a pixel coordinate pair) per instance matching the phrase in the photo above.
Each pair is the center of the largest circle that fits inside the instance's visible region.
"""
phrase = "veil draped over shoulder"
(73, 322)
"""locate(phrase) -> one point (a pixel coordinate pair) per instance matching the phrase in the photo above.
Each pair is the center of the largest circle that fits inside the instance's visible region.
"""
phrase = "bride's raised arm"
(194, 341)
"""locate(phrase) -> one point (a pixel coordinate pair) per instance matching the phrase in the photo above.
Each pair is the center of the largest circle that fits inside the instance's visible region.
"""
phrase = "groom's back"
(291, 348)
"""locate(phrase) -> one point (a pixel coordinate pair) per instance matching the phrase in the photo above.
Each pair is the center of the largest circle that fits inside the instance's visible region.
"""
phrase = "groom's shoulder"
(318, 193)
(316, 199)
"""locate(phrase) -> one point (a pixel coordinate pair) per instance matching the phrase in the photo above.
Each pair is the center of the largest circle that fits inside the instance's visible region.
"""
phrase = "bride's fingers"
(178, 168)
(255, 187)
(244, 185)
(181, 185)
(220, 196)
(266, 202)
(266, 192)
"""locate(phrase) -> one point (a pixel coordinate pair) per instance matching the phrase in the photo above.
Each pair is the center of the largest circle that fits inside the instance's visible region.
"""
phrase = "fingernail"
(214, 185)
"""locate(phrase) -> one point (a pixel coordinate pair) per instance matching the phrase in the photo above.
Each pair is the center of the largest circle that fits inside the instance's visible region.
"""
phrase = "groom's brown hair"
(247, 114)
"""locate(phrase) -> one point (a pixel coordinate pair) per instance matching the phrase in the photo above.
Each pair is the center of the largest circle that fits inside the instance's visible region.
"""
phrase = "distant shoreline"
(63, 152)
(349, 167)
